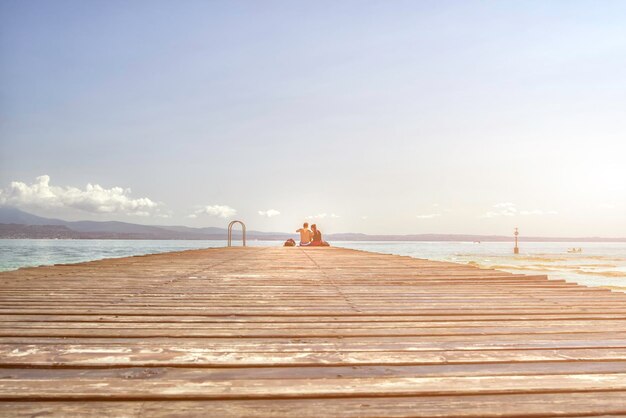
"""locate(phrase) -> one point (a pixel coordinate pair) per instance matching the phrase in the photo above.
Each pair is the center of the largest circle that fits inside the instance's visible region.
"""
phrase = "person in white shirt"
(306, 235)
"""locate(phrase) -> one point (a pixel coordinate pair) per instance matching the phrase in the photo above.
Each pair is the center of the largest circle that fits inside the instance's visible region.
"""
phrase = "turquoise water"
(16, 253)
(599, 264)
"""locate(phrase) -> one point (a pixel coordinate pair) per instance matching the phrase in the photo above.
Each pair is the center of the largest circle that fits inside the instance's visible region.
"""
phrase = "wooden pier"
(316, 332)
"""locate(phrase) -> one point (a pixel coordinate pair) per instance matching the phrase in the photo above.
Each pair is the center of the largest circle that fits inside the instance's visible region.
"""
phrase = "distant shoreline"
(17, 224)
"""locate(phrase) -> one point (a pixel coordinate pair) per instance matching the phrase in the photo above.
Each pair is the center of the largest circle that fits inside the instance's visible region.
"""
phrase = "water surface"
(599, 263)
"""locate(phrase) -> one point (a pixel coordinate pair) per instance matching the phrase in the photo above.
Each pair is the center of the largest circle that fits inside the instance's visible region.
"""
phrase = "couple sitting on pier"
(311, 237)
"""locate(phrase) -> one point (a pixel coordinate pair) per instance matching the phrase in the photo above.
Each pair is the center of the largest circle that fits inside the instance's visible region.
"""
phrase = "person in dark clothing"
(317, 238)
(317, 235)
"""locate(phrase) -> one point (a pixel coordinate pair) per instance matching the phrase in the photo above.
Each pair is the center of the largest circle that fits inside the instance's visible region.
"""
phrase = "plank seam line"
(251, 397)
(265, 366)
(330, 279)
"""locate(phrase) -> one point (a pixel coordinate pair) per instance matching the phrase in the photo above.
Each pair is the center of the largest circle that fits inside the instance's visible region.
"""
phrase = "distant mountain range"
(15, 223)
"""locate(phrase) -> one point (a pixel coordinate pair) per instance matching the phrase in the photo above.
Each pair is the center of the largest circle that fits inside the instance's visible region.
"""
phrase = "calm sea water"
(599, 264)
(16, 253)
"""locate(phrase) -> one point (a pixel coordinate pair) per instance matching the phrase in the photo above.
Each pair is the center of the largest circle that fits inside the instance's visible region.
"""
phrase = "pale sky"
(362, 116)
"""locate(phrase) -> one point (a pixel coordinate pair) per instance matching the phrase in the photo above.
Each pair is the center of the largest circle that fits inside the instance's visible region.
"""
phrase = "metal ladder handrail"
(230, 232)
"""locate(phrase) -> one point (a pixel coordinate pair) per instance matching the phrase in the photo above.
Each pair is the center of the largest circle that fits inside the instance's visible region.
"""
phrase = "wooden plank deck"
(305, 332)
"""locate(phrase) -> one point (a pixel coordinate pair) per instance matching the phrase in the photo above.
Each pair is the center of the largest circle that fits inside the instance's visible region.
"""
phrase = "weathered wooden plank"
(159, 355)
(198, 332)
(470, 406)
(604, 325)
(30, 409)
(354, 320)
(544, 405)
(419, 343)
(111, 388)
(195, 373)
(286, 312)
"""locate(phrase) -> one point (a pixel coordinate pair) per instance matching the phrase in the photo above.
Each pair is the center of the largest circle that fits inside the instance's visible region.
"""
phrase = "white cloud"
(504, 205)
(318, 216)
(501, 209)
(537, 212)
(323, 215)
(428, 216)
(510, 209)
(223, 211)
(269, 213)
(94, 198)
